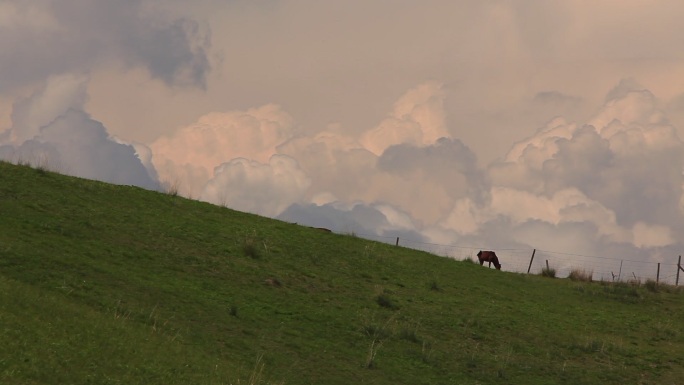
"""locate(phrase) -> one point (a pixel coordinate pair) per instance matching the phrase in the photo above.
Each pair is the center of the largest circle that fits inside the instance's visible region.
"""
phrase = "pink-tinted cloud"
(418, 118)
(187, 157)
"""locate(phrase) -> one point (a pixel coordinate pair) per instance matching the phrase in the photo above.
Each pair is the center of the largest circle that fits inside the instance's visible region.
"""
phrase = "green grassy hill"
(104, 284)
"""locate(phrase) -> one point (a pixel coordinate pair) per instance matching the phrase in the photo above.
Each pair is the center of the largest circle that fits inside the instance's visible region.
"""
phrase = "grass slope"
(104, 284)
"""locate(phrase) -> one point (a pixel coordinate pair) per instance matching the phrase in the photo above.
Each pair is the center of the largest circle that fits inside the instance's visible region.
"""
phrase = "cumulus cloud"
(224, 156)
(188, 156)
(652, 235)
(264, 189)
(447, 162)
(51, 129)
(58, 94)
(427, 180)
(611, 183)
(339, 167)
(621, 172)
(422, 177)
(48, 37)
(418, 118)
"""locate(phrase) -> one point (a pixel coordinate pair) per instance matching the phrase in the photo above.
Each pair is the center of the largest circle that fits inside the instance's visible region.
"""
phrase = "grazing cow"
(489, 256)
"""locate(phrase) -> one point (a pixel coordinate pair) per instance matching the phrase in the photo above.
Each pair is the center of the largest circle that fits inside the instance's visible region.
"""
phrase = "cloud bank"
(51, 129)
(610, 184)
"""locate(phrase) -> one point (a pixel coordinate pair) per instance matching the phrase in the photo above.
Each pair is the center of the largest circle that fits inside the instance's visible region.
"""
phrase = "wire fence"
(534, 260)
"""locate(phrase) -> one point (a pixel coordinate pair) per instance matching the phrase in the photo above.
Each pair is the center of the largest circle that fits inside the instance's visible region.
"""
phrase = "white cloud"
(621, 170)
(265, 189)
(338, 165)
(465, 218)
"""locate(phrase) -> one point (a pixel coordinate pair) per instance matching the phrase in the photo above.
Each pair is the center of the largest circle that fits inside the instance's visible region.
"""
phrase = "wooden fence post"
(679, 267)
(658, 274)
(531, 259)
(620, 272)
(397, 243)
(547, 265)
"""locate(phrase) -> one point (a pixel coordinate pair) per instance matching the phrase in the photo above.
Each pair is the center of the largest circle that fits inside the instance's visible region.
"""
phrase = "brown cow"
(489, 256)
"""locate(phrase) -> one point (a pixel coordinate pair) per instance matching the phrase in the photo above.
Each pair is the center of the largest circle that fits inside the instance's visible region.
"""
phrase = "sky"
(508, 125)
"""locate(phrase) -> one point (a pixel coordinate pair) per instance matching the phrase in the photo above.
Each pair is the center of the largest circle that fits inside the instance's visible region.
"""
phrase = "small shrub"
(410, 334)
(171, 187)
(250, 247)
(651, 285)
(434, 286)
(41, 169)
(377, 329)
(581, 275)
(368, 250)
(377, 333)
(42, 165)
(385, 301)
(548, 272)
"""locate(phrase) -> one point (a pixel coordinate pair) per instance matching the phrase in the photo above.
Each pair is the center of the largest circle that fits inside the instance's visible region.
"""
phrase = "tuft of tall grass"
(548, 272)
(377, 334)
(581, 275)
(372, 352)
(409, 332)
(250, 246)
(651, 285)
(426, 351)
(171, 187)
